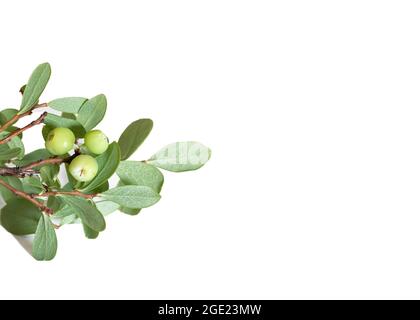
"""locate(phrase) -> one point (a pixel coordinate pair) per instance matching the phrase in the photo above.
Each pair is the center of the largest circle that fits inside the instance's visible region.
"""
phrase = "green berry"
(83, 168)
(60, 141)
(96, 141)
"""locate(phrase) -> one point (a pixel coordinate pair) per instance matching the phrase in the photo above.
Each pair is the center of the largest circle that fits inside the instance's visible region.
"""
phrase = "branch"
(30, 170)
(17, 116)
(17, 172)
(19, 131)
(39, 163)
(26, 196)
(66, 193)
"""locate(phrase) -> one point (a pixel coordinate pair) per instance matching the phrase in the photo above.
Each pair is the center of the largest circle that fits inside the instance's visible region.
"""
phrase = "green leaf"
(49, 175)
(55, 204)
(6, 194)
(53, 121)
(7, 114)
(92, 112)
(102, 188)
(86, 211)
(70, 219)
(90, 233)
(20, 217)
(45, 242)
(107, 207)
(8, 154)
(133, 137)
(129, 211)
(16, 143)
(45, 131)
(39, 154)
(62, 211)
(35, 86)
(69, 116)
(69, 105)
(133, 197)
(32, 185)
(181, 156)
(141, 174)
(107, 165)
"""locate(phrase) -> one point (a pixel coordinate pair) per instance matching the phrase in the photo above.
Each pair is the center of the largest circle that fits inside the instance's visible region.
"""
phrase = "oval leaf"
(86, 211)
(131, 212)
(133, 197)
(35, 86)
(54, 121)
(141, 174)
(133, 137)
(45, 241)
(107, 165)
(69, 105)
(181, 156)
(20, 217)
(92, 112)
(8, 154)
(90, 233)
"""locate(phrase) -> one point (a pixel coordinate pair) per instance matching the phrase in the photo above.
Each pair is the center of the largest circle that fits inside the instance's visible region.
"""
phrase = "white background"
(311, 108)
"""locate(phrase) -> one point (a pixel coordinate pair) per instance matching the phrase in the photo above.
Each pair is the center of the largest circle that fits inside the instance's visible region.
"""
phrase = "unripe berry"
(60, 141)
(96, 141)
(83, 168)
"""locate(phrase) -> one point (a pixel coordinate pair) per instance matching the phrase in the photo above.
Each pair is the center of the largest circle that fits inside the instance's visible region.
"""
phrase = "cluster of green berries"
(84, 167)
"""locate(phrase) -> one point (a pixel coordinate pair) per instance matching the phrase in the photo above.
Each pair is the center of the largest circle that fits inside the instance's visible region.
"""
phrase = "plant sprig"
(39, 199)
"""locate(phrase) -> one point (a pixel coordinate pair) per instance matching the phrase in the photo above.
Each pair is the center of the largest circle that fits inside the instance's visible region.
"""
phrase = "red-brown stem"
(29, 169)
(17, 172)
(67, 193)
(26, 196)
(53, 160)
(19, 131)
(17, 116)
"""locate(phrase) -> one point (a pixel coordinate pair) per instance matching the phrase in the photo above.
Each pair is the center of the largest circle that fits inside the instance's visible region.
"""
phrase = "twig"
(66, 193)
(44, 162)
(26, 196)
(19, 131)
(17, 116)
(16, 171)
(30, 170)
